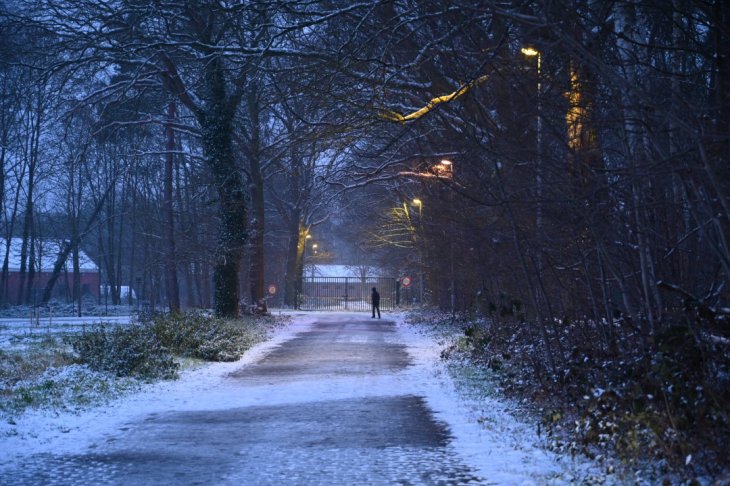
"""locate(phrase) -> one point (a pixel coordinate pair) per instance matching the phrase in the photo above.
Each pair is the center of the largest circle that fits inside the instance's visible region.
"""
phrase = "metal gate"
(347, 293)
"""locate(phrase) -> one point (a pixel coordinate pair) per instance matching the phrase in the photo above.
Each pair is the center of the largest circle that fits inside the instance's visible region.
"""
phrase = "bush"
(196, 335)
(146, 349)
(663, 404)
(125, 351)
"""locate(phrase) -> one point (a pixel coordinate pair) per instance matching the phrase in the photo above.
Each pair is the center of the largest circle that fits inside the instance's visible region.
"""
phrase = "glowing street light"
(418, 203)
(314, 251)
(532, 52)
(444, 169)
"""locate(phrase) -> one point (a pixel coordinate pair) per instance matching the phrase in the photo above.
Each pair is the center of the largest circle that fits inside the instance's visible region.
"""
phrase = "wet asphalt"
(317, 419)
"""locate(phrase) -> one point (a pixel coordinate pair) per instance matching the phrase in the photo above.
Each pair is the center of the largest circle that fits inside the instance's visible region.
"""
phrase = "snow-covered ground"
(486, 432)
(489, 438)
(54, 431)
(16, 332)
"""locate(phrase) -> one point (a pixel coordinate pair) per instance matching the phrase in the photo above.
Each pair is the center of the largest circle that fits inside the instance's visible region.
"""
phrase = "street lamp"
(314, 251)
(444, 169)
(311, 258)
(301, 278)
(532, 52)
(451, 246)
(419, 203)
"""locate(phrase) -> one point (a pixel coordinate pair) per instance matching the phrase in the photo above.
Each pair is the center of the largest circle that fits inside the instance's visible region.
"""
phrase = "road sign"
(406, 281)
(272, 289)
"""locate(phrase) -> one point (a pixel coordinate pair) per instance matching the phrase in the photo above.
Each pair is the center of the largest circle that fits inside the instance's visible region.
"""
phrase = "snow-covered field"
(485, 432)
(17, 332)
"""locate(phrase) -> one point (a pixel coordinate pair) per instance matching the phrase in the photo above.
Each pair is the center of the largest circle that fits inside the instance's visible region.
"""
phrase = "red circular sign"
(406, 281)
(272, 289)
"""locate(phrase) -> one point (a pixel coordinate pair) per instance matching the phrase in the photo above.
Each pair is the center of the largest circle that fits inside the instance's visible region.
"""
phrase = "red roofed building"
(46, 253)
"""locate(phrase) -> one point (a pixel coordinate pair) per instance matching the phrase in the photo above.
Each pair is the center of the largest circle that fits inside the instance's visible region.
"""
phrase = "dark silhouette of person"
(375, 298)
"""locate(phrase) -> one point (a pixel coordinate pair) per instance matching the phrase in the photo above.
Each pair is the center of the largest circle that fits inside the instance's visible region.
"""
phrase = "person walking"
(375, 298)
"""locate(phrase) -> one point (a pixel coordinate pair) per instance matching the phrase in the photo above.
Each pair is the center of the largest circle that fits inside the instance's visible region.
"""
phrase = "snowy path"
(335, 399)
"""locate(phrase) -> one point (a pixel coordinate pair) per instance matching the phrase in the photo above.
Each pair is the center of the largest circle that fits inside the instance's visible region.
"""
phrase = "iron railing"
(347, 293)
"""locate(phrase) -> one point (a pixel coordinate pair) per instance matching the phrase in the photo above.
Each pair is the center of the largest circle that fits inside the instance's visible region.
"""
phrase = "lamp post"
(419, 203)
(301, 271)
(445, 169)
(314, 253)
(532, 52)
(310, 255)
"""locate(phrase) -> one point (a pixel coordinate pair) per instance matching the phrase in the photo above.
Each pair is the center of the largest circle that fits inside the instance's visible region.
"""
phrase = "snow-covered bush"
(146, 349)
(125, 351)
(197, 335)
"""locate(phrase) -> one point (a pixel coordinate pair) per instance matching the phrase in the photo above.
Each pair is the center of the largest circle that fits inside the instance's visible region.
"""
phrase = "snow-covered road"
(335, 398)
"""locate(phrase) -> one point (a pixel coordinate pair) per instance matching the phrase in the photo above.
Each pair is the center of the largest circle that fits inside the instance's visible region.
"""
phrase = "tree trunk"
(217, 131)
(109, 253)
(171, 283)
(26, 270)
(293, 275)
(134, 280)
(77, 278)
(258, 222)
(256, 275)
(21, 297)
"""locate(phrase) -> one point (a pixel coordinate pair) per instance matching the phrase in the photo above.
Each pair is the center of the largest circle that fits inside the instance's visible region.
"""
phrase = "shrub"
(125, 351)
(661, 404)
(197, 335)
(146, 349)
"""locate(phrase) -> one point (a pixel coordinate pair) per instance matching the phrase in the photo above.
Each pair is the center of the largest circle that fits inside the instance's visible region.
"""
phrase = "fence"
(347, 293)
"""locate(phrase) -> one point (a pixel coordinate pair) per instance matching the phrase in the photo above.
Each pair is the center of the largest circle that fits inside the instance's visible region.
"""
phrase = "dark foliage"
(196, 335)
(664, 405)
(125, 351)
(146, 349)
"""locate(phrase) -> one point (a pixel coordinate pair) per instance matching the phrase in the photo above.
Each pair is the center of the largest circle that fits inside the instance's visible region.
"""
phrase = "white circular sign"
(406, 281)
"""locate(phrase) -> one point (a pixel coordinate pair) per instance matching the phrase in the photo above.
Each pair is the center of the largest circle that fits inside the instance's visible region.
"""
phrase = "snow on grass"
(18, 333)
(68, 388)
